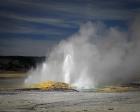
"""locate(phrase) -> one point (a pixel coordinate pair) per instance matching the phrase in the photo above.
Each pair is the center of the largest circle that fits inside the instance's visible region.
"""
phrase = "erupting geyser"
(96, 55)
(67, 68)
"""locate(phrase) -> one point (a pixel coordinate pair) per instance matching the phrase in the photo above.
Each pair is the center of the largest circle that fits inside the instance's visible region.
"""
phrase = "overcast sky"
(32, 27)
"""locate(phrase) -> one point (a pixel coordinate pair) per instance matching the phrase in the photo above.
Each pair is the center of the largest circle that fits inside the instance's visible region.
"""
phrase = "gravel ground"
(69, 102)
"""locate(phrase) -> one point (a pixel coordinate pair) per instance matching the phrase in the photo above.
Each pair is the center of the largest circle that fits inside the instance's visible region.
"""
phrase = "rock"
(110, 108)
(52, 86)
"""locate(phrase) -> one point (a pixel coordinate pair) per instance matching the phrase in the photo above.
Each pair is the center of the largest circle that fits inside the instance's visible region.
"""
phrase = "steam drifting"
(96, 55)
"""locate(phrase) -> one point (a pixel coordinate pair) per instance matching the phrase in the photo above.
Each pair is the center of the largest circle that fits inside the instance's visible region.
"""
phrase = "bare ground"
(69, 102)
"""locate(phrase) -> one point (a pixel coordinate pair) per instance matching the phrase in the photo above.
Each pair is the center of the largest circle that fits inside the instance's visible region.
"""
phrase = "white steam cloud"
(94, 56)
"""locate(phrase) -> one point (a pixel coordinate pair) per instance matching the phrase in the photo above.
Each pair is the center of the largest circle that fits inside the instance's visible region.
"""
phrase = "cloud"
(53, 20)
(87, 9)
(90, 9)
(62, 14)
(25, 47)
(32, 30)
(58, 22)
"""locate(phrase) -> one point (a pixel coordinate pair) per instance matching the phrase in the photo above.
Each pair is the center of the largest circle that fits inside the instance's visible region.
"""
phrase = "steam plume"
(94, 56)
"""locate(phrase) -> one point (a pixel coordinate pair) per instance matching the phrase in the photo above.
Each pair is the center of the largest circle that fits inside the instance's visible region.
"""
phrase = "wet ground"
(69, 102)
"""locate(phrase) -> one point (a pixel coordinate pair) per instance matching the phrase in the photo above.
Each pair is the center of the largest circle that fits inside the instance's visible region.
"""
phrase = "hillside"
(19, 63)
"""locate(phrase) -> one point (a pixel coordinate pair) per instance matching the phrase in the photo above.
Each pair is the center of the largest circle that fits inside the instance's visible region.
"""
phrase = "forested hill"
(19, 63)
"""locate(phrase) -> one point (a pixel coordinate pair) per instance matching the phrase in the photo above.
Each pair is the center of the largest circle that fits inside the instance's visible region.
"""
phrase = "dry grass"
(12, 74)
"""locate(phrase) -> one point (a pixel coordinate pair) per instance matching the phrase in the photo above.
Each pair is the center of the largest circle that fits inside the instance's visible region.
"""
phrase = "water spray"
(67, 68)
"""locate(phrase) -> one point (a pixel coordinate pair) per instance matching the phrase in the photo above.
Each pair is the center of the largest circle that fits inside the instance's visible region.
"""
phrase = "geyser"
(96, 55)
(67, 68)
